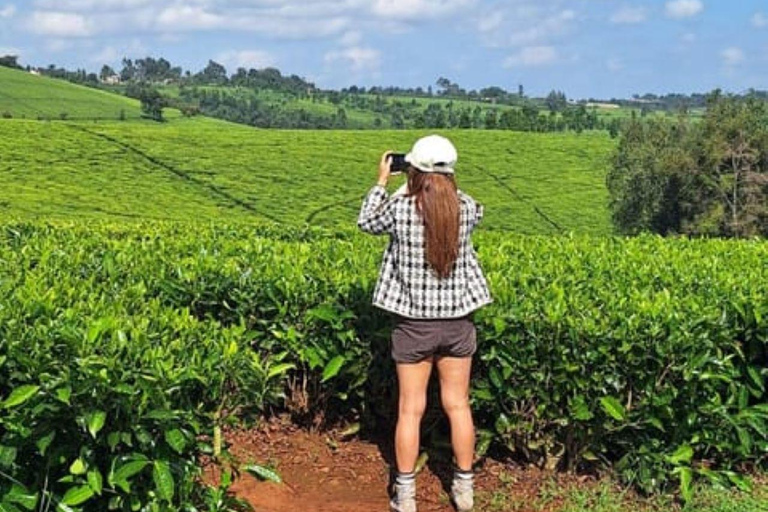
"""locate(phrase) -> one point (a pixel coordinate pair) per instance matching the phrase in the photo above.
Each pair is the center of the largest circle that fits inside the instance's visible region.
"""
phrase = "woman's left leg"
(413, 379)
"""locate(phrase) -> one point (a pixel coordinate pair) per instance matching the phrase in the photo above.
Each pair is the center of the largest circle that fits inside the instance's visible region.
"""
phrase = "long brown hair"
(437, 201)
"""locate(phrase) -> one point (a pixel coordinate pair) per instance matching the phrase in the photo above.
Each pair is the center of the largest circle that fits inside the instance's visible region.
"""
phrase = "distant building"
(111, 80)
(35, 71)
(603, 105)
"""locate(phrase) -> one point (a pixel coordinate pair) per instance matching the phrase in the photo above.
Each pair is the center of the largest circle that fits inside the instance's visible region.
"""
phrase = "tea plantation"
(23, 95)
(207, 169)
(126, 347)
(158, 281)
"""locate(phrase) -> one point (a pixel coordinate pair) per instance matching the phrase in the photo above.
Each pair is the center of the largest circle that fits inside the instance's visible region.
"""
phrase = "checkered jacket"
(407, 285)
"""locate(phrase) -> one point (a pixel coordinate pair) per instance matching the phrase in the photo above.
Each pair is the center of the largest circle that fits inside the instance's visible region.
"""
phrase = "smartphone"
(397, 163)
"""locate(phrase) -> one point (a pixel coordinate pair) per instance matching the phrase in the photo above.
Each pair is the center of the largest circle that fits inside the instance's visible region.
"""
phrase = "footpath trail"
(323, 474)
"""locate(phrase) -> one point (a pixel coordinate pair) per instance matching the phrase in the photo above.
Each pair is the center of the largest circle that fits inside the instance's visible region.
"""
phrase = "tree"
(341, 118)
(128, 72)
(556, 101)
(491, 119)
(214, 73)
(697, 178)
(152, 103)
(106, 72)
(10, 61)
(449, 88)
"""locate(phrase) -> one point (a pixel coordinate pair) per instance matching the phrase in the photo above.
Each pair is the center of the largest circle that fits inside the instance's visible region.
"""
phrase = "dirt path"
(323, 474)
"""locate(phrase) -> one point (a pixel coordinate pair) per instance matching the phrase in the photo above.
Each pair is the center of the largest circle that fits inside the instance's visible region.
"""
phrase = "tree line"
(250, 107)
(706, 177)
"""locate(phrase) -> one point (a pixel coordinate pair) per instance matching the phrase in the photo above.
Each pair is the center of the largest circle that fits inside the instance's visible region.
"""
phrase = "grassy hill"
(92, 165)
(24, 95)
(206, 169)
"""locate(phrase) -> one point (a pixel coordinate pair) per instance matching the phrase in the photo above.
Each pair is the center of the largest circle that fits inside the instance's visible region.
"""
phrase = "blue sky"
(587, 48)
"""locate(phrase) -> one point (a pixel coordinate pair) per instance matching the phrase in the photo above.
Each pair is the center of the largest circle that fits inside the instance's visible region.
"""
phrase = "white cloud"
(92, 5)
(279, 19)
(490, 22)
(113, 55)
(418, 10)
(629, 15)
(256, 59)
(8, 11)
(59, 24)
(525, 24)
(358, 58)
(732, 56)
(351, 38)
(107, 55)
(10, 50)
(684, 8)
(532, 56)
(59, 45)
(760, 20)
(189, 18)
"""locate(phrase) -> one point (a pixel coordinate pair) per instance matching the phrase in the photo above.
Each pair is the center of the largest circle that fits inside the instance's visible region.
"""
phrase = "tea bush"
(124, 348)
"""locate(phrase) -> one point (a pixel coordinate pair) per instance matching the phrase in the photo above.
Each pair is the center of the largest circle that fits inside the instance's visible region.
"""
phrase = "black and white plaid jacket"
(407, 285)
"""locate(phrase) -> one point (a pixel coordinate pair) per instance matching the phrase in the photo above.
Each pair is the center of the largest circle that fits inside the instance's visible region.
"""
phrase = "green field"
(206, 169)
(94, 165)
(23, 95)
(162, 281)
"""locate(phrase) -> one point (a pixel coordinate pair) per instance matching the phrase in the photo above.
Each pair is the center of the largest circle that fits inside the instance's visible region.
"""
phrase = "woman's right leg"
(454, 375)
(454, 393)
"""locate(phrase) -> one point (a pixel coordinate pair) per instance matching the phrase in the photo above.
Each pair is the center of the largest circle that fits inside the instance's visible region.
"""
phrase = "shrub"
(125, 348)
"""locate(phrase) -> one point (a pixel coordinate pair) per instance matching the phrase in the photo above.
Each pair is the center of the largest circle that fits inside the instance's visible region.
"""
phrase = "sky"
(585, 48)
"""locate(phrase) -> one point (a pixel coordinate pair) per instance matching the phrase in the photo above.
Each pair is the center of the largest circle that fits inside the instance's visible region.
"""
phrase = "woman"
(431, 282)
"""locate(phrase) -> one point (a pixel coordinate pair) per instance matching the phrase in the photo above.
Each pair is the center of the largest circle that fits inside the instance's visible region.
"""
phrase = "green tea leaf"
(63, 394)
(78, 467)
(22, 497)
(77, 495)
(263, 473)
(333, 367)
(279, 369)
(95, 422)
(8, 507)
(19, 395)
(119, 476)
(95, 481)
(176, 440)
(683, 454)
(161, 474)
(686, 477)
(44, 442)
(7, 456)
(613, 407)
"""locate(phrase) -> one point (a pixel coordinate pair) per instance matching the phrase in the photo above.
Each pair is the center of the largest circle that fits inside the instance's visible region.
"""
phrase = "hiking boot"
(404, 498)
(462, 492)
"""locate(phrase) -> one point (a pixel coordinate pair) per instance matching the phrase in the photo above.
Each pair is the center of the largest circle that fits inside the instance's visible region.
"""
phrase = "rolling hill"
(205, 169)
(24, 95)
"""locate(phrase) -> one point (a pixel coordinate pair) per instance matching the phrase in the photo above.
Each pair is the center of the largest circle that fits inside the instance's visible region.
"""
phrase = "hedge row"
(123, 348)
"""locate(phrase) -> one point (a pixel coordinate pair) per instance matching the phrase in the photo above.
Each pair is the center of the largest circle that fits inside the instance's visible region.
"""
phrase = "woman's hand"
(384, 166)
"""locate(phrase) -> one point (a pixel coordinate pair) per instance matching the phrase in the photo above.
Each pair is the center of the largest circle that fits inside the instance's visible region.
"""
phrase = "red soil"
(324, 474)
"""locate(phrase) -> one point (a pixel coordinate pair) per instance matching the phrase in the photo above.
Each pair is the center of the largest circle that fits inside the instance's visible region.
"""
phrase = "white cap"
(433, 153)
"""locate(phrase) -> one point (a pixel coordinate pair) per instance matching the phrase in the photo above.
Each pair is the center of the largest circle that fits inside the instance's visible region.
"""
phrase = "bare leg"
(454, 393)
(412, 380)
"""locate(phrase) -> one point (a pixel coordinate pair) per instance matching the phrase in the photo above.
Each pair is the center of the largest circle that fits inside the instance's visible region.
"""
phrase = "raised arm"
(376, 213)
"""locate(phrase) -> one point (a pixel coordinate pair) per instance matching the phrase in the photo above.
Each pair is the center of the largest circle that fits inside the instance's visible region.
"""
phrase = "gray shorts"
(414, 340)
